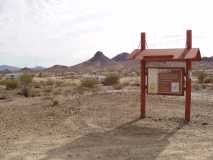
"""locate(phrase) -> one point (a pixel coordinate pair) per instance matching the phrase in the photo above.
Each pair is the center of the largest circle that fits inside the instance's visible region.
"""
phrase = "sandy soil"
(106, 126)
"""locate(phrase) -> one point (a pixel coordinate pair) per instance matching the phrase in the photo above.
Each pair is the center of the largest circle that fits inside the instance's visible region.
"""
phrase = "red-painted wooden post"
(188, 78)
(143, 77)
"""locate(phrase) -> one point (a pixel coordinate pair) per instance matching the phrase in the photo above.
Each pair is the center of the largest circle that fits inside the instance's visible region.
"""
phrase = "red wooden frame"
(182, 69)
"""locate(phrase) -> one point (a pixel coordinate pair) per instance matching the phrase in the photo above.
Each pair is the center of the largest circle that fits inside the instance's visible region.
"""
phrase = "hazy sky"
(48, 32)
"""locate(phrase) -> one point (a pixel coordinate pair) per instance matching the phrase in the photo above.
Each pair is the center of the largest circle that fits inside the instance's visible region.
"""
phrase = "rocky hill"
(99, 62)
(57, 68)
(122, 57)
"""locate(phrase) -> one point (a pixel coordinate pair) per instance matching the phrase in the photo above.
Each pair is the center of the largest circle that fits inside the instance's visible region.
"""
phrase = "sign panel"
(165, 81)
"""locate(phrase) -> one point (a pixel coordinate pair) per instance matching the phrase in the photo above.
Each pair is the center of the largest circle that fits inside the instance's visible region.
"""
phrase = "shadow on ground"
(129, 141)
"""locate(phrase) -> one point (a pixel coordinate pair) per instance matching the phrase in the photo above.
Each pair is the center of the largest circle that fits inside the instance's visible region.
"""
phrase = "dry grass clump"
(48, 89)
(37, 84)
(49, 82)
(111, 79)
(208, 80)
(88, 83)
(85, 86)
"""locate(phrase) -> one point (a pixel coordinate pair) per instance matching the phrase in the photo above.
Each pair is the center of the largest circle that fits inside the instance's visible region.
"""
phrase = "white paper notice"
(175, 87)
(153, 80)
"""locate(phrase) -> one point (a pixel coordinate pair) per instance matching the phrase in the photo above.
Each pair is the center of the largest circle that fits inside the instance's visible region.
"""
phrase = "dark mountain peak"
(121, 57)
(98, 54)
(98, 62)
(100, 58)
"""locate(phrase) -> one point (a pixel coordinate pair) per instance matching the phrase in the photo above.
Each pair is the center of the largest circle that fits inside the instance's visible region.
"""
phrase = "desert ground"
(105, 124)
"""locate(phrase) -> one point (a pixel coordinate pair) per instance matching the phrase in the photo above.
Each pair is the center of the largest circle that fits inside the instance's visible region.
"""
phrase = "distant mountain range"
(8, 68)
(100, 62)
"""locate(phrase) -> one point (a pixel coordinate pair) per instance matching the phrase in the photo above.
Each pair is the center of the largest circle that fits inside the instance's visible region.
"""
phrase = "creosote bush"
(201, 77)
(55, 102)
(118, 86)
(208, 80)
(25, 81)
(88, 83)
(111, 79)
(50, 82)
(11, 84)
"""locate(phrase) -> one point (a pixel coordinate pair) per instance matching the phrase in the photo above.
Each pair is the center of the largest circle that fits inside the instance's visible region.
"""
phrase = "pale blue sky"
(48, 32)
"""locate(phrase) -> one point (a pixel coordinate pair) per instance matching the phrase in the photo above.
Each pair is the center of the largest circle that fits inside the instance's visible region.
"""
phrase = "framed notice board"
(165, 81)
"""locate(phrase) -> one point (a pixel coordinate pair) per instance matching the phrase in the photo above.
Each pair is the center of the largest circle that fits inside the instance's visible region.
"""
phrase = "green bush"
(201, 77)
(111, 79)
(26, 79)
(2, 82)
(88, 83)
(11, 84)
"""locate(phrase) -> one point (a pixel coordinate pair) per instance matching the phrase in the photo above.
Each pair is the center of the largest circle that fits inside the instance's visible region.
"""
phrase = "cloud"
(44, 32)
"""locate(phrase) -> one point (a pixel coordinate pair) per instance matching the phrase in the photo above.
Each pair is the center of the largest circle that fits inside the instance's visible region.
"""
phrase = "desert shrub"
(25, 91)
(201, 77)
(40, 74)
(26, 79)
(111, 79)
(78, 90)
(55, 102)
(35, 93)
(211, 87)
(203, 86)
(37, 85)
(2, 82)
(50, 82)
(60, 83)
(11, 84)
(124, 84)
(88, 83)
(3, 97)
(207, 80)
(196, 87)
(118, 86)
(48, 90)
(57, 91)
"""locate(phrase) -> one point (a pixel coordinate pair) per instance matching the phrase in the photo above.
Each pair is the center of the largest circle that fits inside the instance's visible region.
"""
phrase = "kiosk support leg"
(143, 89)
(188, 91)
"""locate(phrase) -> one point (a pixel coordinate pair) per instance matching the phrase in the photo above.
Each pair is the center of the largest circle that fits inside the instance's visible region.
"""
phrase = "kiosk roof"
(179, 54)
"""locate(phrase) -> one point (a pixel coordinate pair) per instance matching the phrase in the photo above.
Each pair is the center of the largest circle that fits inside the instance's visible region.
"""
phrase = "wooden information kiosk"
(172, 79)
